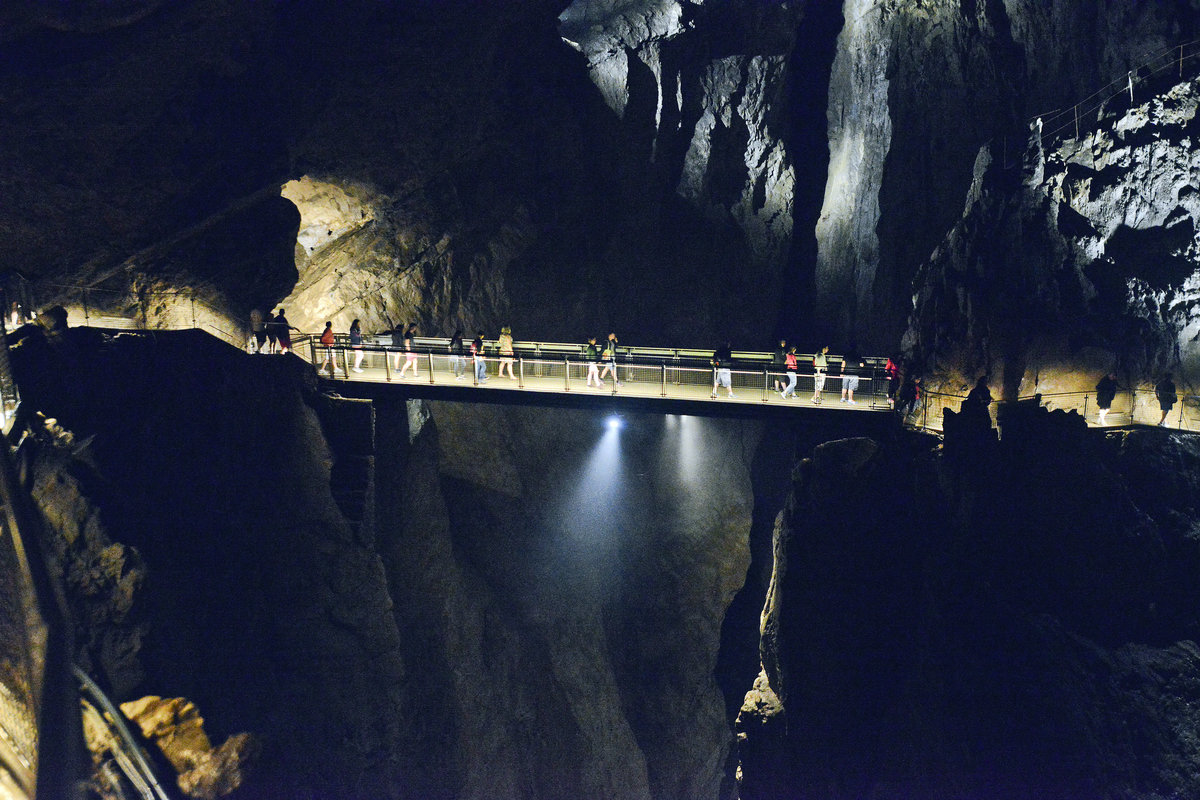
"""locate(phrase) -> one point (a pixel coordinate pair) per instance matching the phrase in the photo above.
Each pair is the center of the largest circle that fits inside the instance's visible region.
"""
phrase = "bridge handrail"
(57, 711)
(129, 757)
(439, 345)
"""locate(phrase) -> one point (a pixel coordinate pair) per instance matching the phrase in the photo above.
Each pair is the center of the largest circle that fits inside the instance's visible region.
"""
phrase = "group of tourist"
(270, 333)
(1165, 392)
(601, 359)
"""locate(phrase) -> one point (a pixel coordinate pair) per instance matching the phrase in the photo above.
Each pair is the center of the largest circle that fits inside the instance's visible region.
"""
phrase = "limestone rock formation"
(175, 725)
(253, 594)
(700, 92)
(1082, 259)
(917, 88)
(567, 584)
(506, 601)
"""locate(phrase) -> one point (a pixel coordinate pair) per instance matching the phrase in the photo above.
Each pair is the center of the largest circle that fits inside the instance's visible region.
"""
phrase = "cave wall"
(395, 599)
(1077, 261)
(567, 583)
(614, 164)
(1006, 618)
(205, 555)
(916, 89)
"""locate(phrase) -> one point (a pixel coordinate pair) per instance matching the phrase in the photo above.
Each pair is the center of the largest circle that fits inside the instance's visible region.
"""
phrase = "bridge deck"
(665, 387)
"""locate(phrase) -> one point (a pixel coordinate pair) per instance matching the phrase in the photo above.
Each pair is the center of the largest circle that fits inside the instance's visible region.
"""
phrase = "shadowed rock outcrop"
(204, 555)
(1009, 622)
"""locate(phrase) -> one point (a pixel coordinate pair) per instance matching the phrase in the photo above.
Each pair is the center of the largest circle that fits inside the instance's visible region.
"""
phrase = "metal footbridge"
(668, 380)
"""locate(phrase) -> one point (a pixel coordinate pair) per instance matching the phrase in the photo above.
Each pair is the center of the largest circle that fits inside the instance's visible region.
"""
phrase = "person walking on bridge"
(457, 355)
(789, 363)
(852, 367)
(258, 329)
(327, 340)
(283, 332)
(410, 351)
(892, 370)
(356, 342)
(610, 358)
(722, 361)
(820, 367)
(505, 343)
(778, 362)
(1165, 391)
(477, 356)
(1106, 392)
(591, 355)
(271, 331)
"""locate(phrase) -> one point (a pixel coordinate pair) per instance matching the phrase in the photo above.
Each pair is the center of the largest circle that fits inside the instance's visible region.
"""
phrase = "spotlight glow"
(615, 423)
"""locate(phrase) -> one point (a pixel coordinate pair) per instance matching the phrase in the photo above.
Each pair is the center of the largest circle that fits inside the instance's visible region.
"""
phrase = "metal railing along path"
(1072, 120)
(125, 750)
(664, 373)
(1129, 407)
(91, 307)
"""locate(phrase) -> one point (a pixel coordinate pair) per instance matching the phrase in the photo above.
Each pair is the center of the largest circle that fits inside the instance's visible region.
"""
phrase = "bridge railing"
(551, 366)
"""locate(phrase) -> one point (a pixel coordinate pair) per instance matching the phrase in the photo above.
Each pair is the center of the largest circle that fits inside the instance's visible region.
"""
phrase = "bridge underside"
(842, 418)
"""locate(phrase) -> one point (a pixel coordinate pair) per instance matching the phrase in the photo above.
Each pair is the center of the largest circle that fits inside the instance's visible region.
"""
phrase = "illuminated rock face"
(700, 94)
(355, 260)
(916, 89)
(1081, 259)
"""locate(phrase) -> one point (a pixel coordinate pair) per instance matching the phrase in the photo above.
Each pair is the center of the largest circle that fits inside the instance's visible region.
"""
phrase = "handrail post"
(312, 354)
(86, 320)
(765, 381)
(537, 353)
(387, 366)
(520, 372)
(664, 379)
(345, 362)
(566, 373)
(430, 354)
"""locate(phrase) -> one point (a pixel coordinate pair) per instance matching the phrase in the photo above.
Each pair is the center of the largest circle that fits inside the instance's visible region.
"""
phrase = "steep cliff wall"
(917, 88)
(1079, 260)
(1014, 620)
(500, 601)
(566, 583)
(462, 165)
(205, 556)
